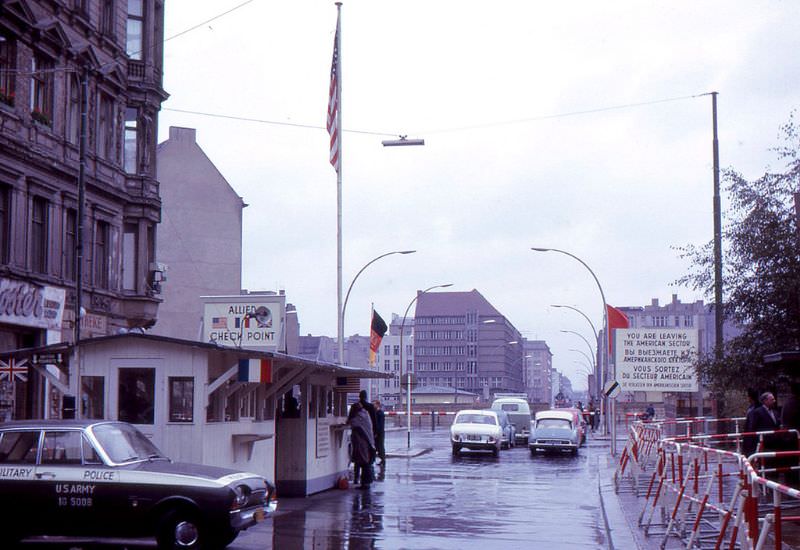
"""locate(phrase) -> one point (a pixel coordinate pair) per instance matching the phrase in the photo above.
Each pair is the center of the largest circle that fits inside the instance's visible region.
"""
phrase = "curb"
(408, 453)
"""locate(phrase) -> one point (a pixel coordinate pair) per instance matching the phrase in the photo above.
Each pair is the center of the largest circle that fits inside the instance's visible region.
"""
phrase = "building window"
(82, 6)
(42, 77)
(101, 254)
(386, 349)
(92, 397)
(688, 321)
(396, 350)
(39, 235)
(70, 242)
(135, 38)
(137, 395)
(107, 18)
(131, 140)
(74, 110)
(181, 399)
(8, 69)
(130, 254)
(5, 222)
(106, 127)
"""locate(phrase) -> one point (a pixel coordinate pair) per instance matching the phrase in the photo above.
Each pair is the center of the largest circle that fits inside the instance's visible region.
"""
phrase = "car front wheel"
(456, 448)
(179, 529)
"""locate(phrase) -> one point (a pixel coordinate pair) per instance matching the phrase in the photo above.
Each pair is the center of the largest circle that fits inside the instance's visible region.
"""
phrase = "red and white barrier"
(705, 488)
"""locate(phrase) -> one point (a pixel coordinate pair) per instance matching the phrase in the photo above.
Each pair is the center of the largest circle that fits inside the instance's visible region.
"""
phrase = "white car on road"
(476, 430)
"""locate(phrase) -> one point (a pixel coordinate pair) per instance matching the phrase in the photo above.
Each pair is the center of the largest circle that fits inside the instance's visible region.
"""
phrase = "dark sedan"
(106, 479)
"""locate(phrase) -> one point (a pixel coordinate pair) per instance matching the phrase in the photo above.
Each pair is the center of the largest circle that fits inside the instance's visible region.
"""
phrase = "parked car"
(579, 422)
(554, 430)
(476, 430)
(507, 430)
(519, 412)
(106, 479)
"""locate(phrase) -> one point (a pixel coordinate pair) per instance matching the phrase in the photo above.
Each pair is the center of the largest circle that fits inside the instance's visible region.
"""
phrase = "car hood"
(211, 473)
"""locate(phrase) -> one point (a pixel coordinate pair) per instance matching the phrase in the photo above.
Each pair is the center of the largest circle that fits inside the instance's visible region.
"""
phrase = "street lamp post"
(579, 335)
(344, 305)
(604, 358)
(402, 365)
(598, 389)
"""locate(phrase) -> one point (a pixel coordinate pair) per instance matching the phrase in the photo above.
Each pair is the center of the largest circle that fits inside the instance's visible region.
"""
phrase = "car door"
(67, 494)
(112, 510)
(18, 483)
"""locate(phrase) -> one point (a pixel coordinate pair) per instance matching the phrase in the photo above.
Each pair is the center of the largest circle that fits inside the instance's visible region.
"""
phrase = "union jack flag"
(12, 368)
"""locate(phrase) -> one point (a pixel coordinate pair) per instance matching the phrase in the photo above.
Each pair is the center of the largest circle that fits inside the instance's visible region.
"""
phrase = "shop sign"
(31, 305)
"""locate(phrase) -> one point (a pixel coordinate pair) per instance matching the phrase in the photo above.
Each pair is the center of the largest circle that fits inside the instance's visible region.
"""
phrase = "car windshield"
(553, 423)
(476, 419)
(124, 443)
(510, 407)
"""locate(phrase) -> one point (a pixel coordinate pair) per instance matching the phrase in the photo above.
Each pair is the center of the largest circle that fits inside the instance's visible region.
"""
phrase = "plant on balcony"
(7, 97)
(40, 117)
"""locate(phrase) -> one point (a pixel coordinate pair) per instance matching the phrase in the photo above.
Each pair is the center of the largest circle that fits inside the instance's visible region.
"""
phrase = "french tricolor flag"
(255, 370)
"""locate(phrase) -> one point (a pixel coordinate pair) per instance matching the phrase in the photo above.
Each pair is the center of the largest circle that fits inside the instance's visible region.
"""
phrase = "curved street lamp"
(604, 357)
(344, 305)
(594, 330)
(408, 371)
(588, 345)
(599, 388)
(591, 363)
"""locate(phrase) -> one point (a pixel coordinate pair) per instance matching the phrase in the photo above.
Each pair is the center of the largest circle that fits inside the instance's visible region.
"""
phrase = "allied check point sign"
(656, 359)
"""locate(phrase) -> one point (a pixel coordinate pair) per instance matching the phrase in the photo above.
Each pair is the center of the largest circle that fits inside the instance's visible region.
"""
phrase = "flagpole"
(340, 320)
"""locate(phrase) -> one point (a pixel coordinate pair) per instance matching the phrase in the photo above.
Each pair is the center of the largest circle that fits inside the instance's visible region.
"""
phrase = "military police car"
(106, 479)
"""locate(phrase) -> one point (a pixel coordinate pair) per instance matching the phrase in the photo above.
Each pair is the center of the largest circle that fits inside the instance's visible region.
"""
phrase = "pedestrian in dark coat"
(763, 418)
(362, 444)
(380, 431)
(369, 407)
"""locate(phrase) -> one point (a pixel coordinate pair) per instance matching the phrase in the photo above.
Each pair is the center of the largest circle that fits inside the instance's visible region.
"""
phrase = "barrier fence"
(700, 489)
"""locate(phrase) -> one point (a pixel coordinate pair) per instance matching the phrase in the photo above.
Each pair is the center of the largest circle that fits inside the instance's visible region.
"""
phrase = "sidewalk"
(622, 510)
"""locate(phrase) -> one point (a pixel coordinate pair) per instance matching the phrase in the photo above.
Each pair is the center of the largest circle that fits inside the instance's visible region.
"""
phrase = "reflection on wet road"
(442, 502)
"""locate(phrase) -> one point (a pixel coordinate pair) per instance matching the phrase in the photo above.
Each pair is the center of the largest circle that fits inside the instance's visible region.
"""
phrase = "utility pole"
(718, 343)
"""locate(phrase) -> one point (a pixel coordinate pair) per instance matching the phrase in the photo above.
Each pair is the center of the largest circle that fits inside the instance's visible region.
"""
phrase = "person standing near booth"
(380, 432)
(362, 444)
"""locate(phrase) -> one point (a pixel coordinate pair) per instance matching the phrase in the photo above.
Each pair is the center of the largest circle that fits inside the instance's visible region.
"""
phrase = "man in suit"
(763, 418)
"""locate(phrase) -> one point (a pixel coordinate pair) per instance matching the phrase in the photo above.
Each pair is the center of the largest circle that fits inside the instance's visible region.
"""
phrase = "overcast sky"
(579, 126)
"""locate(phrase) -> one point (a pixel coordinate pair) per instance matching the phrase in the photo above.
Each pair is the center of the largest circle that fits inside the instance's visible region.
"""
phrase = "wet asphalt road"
(437, 501)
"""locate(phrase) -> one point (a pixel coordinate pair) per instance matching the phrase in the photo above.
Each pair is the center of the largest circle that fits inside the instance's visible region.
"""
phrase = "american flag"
(219, 322)
(333, 104)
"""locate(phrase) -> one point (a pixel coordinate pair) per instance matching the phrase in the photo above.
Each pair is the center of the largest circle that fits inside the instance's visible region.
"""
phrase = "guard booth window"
(181, 399)
(137, 395)
(92, 400)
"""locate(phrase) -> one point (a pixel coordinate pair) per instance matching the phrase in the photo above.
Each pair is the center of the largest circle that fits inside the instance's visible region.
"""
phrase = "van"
(519, 413)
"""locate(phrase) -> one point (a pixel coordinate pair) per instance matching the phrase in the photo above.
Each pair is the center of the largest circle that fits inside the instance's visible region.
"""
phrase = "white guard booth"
(279, 416)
